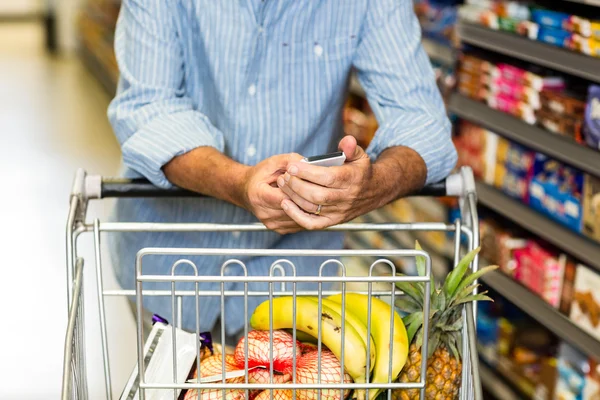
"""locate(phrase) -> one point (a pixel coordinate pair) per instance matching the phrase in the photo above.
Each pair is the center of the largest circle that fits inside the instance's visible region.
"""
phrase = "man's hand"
(207, 171)
(351, 190)
(262, 196)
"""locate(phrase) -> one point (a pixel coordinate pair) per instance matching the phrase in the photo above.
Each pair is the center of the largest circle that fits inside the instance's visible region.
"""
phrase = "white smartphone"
(327, 160)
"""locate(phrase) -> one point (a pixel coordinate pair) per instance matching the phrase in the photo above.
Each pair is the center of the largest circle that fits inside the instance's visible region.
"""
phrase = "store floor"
(52, 121)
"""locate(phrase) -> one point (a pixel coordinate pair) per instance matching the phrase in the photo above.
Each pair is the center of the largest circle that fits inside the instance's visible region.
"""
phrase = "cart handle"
(97, 187)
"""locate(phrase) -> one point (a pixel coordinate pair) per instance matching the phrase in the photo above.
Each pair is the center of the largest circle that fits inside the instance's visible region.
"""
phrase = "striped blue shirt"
(256, 78)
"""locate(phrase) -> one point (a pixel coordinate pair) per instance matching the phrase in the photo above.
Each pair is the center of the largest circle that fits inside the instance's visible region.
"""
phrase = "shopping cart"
(88, 187)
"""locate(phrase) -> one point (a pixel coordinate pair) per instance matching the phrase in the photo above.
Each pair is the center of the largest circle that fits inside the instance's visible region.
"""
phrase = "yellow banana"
(307, 320)
(380, 330)
(303, 337)
(353, 320)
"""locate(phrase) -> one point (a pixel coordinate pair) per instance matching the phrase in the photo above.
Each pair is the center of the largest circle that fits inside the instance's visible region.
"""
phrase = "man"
(225, 97)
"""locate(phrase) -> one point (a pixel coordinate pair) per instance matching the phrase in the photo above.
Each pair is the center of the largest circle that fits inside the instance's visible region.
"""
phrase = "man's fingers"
(308, 221)
(301, 202)
(272, 197)
(310, 192)
(323, 176)
(351, 149)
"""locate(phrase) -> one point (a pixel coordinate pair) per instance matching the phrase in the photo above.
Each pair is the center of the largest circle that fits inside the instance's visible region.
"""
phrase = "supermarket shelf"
(539, 139)
(588, 2)
(543, 312)
(496, 385)
(529, 50)
(438, 52)
(584, 249)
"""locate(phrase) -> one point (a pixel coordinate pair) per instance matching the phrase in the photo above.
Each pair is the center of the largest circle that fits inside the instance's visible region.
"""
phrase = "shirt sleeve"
(399, 81)
(152, 115)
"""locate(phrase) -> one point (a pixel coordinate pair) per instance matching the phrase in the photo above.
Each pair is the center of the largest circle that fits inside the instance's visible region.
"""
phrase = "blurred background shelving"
(534, 151)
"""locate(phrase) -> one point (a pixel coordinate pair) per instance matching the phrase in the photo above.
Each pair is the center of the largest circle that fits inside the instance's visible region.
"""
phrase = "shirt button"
(318, 50)
(252, 90)
(251, 151)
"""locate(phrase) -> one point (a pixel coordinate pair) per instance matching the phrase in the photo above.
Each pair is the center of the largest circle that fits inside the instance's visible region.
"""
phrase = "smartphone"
(327, 160)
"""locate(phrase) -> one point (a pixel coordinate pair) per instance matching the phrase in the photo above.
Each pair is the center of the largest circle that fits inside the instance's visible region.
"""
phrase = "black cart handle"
(97, 187)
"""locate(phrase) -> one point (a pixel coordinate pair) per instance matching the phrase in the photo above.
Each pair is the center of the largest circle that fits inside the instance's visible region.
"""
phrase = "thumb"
(351, 149)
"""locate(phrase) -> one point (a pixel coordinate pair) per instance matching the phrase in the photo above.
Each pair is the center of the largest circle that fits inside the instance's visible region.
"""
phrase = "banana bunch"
(357, 349)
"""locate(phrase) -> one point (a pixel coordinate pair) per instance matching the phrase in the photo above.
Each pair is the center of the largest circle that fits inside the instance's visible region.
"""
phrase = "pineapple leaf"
(456, 275)
(465, 292)
(453, 349)
(409, 319)
(406, 303)
(422, 266)
(456, 326)
(473, 297)
(442, 300)
(456, 339)
(412, 289)
(419, 336)
(474, 276)
(414, 325)
(433, 344)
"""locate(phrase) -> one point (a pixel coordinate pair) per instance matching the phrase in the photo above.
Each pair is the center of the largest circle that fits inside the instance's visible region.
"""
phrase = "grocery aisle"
(52, 122)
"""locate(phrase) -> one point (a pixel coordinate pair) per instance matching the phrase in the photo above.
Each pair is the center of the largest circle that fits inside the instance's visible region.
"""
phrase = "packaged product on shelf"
(584, 27)
(588, 46)
(591, 207)
(523, 350)
(506, 9)
(517, 172)
(477, 148)
(591, 126)
(578, 375)
(585, 307)
(475, 91)
(561, 124)
(478, 15)
(474, 65)
(572, 366)
(591, 391)
(499, 245)
(509, 105)
(563, 103)
(541, 271)
(516, 91)
(556, 190)
(568, 286)
(487, 334)
(534, 77)
(550, 18)
(556, 37)
(438, 19)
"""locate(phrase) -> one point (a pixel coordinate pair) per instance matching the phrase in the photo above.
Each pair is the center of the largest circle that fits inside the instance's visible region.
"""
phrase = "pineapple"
(444, 347)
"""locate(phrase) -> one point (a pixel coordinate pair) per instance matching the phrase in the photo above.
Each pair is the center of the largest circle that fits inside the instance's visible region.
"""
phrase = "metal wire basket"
(281, 281)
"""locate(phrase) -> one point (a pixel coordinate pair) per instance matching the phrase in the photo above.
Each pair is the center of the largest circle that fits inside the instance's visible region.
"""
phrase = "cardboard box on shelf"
(591, 126)
(591, 207)
(568, 287)
(572, 366)
(585, 307)
(541, 270)
(516, 172)
(556, 190)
